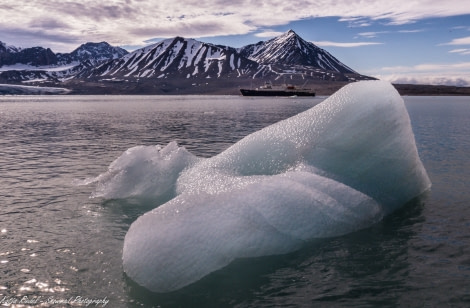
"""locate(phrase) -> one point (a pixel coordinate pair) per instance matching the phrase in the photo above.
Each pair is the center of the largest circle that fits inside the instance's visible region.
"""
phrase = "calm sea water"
(60, 248)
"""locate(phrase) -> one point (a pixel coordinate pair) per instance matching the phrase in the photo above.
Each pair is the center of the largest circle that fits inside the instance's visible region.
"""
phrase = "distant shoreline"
(212, 87)
(431, 90)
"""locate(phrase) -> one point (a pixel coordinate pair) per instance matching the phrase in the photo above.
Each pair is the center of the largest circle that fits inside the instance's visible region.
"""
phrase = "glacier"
(336, 168)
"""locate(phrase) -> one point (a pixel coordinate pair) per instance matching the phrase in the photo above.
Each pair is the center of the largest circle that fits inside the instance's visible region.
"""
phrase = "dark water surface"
(60, 248)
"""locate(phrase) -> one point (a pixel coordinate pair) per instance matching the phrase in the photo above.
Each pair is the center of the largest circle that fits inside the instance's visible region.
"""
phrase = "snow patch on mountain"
(45, 68)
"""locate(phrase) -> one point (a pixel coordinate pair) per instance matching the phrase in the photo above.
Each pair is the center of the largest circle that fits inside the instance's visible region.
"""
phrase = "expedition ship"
(282, 90)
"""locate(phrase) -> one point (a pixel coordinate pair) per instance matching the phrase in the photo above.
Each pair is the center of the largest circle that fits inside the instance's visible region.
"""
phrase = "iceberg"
(333, 169)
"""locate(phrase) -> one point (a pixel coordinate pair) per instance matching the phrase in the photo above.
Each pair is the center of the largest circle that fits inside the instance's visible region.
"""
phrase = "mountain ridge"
(93, 53)
(287, 56)
(182, 64)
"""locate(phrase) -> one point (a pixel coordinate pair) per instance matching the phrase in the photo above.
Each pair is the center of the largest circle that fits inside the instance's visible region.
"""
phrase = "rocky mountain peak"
(93, 52)
(290, 49)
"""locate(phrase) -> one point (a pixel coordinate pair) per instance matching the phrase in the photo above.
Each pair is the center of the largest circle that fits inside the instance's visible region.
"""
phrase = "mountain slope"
(92, 53)
(289, 49)
(177, 57)
(38, 63)
(287, 56)
(4, 48)
(35, 56)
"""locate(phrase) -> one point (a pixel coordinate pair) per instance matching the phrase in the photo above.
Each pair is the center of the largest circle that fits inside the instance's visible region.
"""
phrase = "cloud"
(445, 80)
(268, 34)
(56, 40)
(461, 28)
(429, 67)
(459, 41)
(372, 34)
(455, 74)
(411, 31)
(47, 23)
(377, 33)
(356, 22)
(347, 45)
(462, 51)
(132, 22)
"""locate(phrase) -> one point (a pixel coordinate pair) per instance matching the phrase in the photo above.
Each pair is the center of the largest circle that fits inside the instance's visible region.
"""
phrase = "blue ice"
(333, 169)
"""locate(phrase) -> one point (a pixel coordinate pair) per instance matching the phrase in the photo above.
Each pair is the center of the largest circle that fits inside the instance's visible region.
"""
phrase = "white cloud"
(428, 73)
(459, 41)
(343, 44)
(427, 67)
(411, 31)
(268, 34)
(377, 33)
(127, 22)
(372, 34)
(446, 80)
(462, 51)
(356, 22)
(461, 28)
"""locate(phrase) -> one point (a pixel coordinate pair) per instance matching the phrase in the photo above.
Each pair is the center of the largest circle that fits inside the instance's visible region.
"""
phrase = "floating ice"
(194, 234)
(330, 170)
(147, 172)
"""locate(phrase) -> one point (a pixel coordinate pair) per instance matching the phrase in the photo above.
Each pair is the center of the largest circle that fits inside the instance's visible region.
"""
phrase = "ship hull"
(247, 92)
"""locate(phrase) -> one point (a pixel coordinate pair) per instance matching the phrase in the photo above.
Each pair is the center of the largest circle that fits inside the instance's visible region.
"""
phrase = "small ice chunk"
(147, 172)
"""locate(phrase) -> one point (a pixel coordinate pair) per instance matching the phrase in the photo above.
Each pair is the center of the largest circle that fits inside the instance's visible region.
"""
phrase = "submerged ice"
(336, 168)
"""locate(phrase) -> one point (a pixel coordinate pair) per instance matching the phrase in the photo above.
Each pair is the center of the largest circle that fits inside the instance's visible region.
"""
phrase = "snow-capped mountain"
(92, 54)
(38, 63)
(177, 57)
(35, 56)
(178, 61)
(4, 48)
(286, 56)
(289, 49)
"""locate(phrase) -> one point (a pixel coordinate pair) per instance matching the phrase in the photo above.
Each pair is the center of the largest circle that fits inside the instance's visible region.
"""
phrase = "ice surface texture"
(336, 168)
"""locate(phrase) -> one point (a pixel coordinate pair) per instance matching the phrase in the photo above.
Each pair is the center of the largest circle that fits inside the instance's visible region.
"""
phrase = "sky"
(402, 41)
